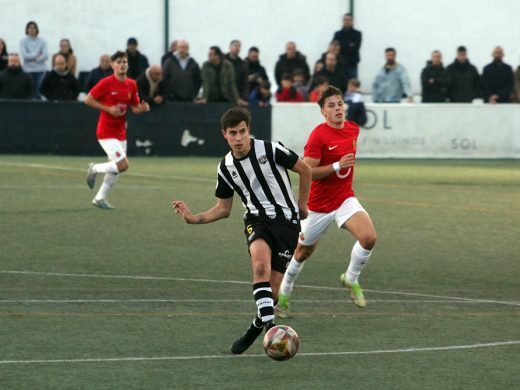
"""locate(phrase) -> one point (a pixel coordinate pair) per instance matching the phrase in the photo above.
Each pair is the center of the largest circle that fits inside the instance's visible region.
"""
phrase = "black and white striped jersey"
(260, 179)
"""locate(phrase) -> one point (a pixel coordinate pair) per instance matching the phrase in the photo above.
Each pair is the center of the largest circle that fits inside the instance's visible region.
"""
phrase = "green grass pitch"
(133, 298)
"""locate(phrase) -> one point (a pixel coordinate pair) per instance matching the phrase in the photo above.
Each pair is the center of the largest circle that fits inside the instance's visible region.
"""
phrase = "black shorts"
(280, 234)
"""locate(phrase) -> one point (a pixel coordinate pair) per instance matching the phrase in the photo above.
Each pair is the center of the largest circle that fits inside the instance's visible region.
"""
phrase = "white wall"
(414, 130)
(413, 27)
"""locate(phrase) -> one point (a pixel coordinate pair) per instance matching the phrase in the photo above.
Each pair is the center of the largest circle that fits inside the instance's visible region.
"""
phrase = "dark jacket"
(356, 111)
(254, 71)
(286, 65)
(95, 75)
(143, 87)
(182, 84)
(137, 64)
(435, 81)
(240, 75)
(60, 87)
(465, 82)
(336, 77)
(16, 84)
(218, 82)
(497, 79)
(350, 42)
(3, 60)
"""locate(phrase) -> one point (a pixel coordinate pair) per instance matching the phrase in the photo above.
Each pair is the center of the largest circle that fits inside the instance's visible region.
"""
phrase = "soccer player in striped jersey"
(331, 153)
(257, 171)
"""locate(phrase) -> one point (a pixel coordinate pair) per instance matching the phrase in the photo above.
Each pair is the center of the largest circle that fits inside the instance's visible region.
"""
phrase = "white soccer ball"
(281, 342)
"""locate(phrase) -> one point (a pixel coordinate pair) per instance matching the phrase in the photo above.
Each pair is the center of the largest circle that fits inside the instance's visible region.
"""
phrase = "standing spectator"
(218, 79)
(151, 87)
(14, 82)
(239, 67)
(261, 95)
(464, 79)
(68, 53)
(59, 83)
(335, 48)
(169, 54)
(255, 72)
(34, 54)
(137, 62)
(356, 111)
(321, 85)
(103, 70)
(288, 62)
(392, 82)
(333, 73)
(435, 80)
(350, 42)
(3, 55)
(497, 79)
(182, 74)
(287, 92)
(517, 84)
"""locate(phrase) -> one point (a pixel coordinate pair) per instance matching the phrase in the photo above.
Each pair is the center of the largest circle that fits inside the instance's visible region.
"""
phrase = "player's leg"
(313, 228)
(353, 217)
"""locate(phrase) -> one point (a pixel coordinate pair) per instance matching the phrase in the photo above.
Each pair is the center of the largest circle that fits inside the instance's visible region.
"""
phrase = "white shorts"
(316, 224)
(114, 148)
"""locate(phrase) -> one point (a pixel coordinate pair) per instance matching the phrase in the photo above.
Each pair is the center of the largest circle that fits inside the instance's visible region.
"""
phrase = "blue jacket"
(391, 85)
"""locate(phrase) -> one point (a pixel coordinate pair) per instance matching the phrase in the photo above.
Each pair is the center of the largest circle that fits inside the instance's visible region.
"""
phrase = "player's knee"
(122, 165)
(368, 241)
(261, 271)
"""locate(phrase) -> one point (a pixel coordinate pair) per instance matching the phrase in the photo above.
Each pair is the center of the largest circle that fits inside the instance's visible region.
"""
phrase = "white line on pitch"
(302, 354)
(511, 303)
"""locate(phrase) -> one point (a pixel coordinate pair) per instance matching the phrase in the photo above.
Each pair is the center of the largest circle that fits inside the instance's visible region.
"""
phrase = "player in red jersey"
(331, 153)
(112, 96)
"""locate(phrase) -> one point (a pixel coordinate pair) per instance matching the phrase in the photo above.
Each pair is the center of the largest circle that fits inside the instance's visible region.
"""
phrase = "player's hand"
(145, 107)
(182, 209)
(114, 111)
(347, 161)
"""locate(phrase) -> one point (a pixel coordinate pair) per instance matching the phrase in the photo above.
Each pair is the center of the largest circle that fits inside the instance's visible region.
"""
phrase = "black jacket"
(497, 79)
(16, 84)
(435, 81)
(137, 64)
(240, 75)
(336, 77)
(95, 75)
(350, 42)
(254, 71)
(465, 83)
(143, 87)
(289, 65)
(58, 87)
(182, 84)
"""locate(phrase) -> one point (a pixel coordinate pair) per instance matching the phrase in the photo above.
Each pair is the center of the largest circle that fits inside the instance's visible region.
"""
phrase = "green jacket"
(219, 87)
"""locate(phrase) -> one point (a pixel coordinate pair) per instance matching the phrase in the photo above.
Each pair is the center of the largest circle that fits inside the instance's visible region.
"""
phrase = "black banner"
(69, 128)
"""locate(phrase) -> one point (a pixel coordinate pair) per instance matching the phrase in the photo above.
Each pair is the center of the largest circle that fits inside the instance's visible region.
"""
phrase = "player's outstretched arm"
(221, 210)
(305, 173)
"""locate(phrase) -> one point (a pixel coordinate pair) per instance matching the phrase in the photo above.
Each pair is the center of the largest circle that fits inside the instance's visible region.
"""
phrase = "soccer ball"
(281, 342)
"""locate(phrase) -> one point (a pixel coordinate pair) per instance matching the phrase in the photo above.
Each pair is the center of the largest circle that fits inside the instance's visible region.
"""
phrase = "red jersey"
(112, 92)
(329, 144)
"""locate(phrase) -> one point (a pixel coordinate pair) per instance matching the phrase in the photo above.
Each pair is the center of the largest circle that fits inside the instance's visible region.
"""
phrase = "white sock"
(358, 260)
(108, 167)
(108, 182)
(291, 274)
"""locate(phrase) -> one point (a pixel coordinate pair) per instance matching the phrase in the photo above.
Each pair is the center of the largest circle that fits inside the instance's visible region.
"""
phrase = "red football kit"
(329, 144)
(112, 92)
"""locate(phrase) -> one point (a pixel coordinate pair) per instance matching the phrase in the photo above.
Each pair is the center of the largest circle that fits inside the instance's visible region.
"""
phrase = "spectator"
(287, 92)
(517, 84)
(356, 111)
(68, 53)
(255, 72)
(151, 87)
(299, 83)
(335, 48)
(333, 73)
(289, 62)
(261, 95)
(34, 54)
(137, 62)
(218, 79)
(497, 79)
(464, 79)
(3, 55)
(103, 70)
(14, 82)
(392, 82)
(435, 80)
(59, 83)
(321, 85)
(169, 54)
(350, 43)
(182, 74)
(239, 67)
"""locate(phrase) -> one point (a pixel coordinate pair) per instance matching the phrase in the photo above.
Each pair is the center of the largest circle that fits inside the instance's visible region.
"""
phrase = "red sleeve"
(99, 90)
(314, 146)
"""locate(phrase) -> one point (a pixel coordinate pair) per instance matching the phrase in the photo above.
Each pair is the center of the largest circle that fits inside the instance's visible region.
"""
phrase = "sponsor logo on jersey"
(262, 159)
(285, 254)
(234, 173)
(333, 147)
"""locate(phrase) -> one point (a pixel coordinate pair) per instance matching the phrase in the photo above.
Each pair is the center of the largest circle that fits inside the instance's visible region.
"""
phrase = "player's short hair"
(234, 116)
(117, 55)
(329, 91)
(29, 24)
